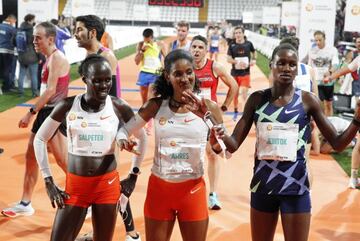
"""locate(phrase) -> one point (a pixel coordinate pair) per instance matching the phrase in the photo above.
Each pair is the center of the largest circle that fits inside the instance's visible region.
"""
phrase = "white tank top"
(180, 141)
(91, 134)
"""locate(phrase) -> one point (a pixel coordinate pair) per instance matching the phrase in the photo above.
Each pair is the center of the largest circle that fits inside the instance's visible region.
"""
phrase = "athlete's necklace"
(175, 103)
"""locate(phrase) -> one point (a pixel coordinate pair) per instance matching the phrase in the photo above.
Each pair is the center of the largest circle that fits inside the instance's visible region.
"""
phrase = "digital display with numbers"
(177, 3)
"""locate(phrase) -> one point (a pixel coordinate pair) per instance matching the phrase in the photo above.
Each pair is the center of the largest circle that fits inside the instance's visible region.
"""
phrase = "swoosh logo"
(195, 190)
(290, 111)
(104, 117)
(189, 120)
(111, 181)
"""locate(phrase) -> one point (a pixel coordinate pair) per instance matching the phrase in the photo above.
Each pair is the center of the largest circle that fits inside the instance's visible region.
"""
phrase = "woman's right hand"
(55, 194)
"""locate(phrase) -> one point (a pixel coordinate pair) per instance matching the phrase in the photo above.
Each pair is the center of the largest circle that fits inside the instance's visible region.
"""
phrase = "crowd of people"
(178, 88)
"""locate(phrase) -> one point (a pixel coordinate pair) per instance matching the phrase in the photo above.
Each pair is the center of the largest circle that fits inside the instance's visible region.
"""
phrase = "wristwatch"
(32, 111)
(135, 171)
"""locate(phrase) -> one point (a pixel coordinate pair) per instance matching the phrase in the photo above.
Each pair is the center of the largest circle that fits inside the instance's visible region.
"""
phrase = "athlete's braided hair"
(162, 87)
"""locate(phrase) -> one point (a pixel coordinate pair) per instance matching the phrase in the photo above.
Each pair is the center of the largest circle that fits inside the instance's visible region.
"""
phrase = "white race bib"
(243, 60)
(214, 43)
(151, 62)
(179, 156)
(205, 93)
(277, 141)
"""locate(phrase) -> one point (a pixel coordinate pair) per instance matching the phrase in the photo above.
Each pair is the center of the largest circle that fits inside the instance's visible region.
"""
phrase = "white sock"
(354, 173)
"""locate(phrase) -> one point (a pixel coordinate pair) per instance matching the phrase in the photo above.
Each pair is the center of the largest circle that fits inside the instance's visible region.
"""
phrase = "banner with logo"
(290, 14)
(352, 16)
(82, 7)
(316, 15)
(271, 15)
(117, 10)
(44, 10)
(247, 17)
(257, 16)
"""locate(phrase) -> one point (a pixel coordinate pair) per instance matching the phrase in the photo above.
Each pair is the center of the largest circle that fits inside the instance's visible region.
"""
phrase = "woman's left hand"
(56, 195)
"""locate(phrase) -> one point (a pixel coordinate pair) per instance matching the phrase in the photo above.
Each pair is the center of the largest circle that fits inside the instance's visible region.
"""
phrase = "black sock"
(128, 218)
(235, 110)
(25, 203)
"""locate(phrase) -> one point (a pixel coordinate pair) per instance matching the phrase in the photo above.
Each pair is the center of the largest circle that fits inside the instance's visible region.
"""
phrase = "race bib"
(205, 93)
(151, 62)
(214, 43)
(242, 62)
(277, 141)
(180, 156)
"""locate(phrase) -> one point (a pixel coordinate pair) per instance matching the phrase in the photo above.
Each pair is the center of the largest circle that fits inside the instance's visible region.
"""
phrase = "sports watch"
(32, 111)
(135, 171)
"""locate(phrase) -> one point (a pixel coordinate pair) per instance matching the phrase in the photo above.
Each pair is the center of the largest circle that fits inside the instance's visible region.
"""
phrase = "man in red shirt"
(209, 72)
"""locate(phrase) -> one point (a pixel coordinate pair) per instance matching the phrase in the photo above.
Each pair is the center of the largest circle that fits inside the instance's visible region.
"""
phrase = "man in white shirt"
(323, 59)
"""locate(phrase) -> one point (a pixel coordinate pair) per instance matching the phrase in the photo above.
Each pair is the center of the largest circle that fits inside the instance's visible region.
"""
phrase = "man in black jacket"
(28, 58)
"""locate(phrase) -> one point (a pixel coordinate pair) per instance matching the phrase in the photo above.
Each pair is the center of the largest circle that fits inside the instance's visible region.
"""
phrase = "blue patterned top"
(283, 177)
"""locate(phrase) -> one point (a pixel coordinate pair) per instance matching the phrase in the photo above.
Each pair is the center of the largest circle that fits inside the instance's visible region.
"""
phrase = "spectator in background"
(355, 84)
(214, 40)
(181, 41)
(241, 54)
(324, 59)
(229, 34)
(148, 56)
(54, 88)
(347, 80)
(106, 39)
(28, 59)
(7, 57)
(62, 34)
(88, 32)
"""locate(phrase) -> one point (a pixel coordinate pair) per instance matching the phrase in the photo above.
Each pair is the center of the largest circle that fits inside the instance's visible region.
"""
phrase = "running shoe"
(354, 183)
(214, 203)
(85, 237)
(18, 210)
(129, 238)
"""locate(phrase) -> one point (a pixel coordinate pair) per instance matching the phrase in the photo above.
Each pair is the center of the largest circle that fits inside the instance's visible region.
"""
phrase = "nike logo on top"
(189, 120)
(104, 117)
(112, 180)
(195, 190)
(290, 111)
